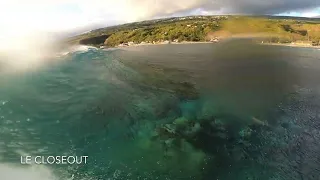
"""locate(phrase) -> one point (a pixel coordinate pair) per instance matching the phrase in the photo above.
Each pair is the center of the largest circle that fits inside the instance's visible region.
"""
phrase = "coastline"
(151, 44)
(292, 45)
(206, 42)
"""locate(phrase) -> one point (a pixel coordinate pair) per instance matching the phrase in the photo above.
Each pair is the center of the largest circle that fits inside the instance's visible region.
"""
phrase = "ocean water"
(233, 110)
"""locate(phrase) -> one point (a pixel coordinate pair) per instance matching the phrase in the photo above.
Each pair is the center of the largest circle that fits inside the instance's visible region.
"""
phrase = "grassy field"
(205, 28)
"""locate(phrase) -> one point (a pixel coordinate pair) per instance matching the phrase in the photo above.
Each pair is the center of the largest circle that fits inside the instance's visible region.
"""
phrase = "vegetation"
(94, 40)
(206, 28)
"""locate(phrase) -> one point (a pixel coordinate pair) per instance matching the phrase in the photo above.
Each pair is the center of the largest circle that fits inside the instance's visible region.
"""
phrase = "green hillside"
(205, 28)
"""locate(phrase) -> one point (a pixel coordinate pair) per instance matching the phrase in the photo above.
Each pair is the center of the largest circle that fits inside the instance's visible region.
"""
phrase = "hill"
(204, 28)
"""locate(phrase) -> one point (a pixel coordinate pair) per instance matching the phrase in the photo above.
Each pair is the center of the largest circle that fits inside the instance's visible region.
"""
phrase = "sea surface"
(262, 104)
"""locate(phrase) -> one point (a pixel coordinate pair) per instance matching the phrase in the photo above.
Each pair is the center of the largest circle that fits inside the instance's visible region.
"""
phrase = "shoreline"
(206, 42)
(150, 44)
(292, 45)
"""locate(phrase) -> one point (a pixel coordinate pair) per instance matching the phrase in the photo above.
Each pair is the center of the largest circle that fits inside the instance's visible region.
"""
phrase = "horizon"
(72, 15)
(29, 21)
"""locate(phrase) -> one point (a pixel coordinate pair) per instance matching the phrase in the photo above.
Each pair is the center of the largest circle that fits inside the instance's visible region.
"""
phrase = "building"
(303, 43)
(123, 44)
(215, 40)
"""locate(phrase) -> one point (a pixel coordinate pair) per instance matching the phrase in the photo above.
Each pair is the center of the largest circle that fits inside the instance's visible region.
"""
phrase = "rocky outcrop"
(206, 135)
(97, 40)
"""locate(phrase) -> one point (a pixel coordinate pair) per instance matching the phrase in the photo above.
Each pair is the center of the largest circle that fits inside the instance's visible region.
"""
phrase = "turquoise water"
(91, 103)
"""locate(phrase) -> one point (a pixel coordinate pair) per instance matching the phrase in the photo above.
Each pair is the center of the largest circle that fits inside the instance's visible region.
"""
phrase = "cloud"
(30, 23)
(70, 14)
(261, 6)
(19, 17)
(131, 10)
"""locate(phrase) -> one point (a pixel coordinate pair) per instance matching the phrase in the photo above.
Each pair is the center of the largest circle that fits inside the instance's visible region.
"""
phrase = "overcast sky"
(26, 16)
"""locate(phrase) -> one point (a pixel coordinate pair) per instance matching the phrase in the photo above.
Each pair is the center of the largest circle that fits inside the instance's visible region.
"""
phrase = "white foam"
(38, 172)
(74, 49)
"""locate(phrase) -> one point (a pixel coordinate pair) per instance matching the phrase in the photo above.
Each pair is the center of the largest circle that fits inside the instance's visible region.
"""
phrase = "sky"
(21, 17)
